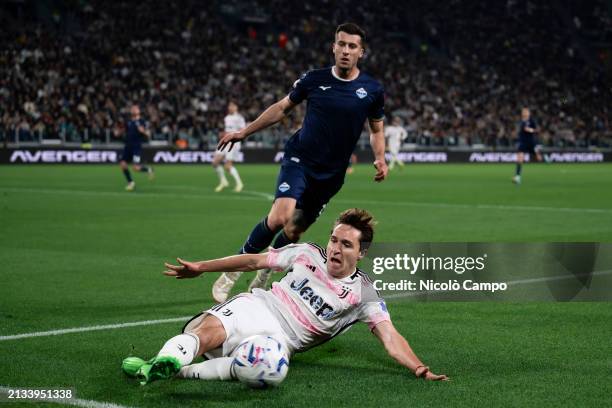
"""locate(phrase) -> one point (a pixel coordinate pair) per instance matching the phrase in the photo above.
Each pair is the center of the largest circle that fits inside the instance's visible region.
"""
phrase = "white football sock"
(215, 369)
(235, 175)
(221, 174)
(183, 347)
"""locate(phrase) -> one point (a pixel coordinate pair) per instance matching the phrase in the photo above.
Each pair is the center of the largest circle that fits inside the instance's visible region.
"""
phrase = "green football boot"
(159, 368)
(131, 365)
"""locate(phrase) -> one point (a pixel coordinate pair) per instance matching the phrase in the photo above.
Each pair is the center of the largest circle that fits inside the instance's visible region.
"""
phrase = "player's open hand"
(381, 170)
(184, 270)
(423, 372)
(229, 139)
(429, 376)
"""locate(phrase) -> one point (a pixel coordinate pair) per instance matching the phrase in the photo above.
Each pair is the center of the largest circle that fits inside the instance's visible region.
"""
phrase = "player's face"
(343, 251)
(347, 50)
(232, 108)
(135, 111)
(525, 114)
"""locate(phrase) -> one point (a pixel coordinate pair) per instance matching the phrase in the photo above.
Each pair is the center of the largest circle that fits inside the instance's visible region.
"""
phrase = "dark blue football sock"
(259, 239)
(519, 166)
(127, 175)
(282, 240)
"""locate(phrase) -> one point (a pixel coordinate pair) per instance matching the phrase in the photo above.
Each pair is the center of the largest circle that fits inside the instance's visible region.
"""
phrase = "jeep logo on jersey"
(361, 93)
(320, 307)
(284, 187)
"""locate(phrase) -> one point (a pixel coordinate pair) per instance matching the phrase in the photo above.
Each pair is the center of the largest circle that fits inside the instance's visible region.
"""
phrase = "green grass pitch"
(76, 250)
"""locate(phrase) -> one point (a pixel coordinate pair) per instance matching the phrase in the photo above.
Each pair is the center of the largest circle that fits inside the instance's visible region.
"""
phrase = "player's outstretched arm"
(399, 349)
(274, 114)
(244, 262)
(377, 141)
(144, 131)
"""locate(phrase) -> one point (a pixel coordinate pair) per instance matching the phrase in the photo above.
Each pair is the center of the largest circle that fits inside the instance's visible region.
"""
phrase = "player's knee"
(281, 213)
(279, 218)
(210, 333)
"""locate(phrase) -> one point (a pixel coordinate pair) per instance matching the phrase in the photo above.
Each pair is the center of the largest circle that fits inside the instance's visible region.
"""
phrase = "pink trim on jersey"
(377, 318)
(351, 298)
(273, 260)
(294, 309)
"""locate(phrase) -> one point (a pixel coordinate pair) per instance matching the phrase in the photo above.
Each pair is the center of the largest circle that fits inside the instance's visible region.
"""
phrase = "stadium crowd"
(457, 72)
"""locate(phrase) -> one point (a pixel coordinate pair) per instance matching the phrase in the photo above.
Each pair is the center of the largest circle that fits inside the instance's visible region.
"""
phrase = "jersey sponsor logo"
(361, 93)
(295, 159)
(316, 302)
(324, 88)
(284, 187)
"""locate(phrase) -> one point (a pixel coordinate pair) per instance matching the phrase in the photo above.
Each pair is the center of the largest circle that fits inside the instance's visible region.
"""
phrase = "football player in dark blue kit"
(527, 143)
(135, 130)
(339, 99)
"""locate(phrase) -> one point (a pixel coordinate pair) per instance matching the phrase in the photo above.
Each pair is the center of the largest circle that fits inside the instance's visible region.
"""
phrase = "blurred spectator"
(455, 71)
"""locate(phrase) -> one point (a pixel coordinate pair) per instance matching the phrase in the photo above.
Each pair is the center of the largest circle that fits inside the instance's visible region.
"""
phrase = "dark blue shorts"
(311, 193)
(527, 147)
(131, 154)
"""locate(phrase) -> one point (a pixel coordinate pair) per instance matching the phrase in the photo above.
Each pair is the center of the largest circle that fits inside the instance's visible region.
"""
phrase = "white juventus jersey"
(311, 305)
(234, 123)
(395, 135)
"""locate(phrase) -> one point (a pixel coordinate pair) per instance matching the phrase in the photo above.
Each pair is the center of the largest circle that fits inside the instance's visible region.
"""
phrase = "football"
(260, 362)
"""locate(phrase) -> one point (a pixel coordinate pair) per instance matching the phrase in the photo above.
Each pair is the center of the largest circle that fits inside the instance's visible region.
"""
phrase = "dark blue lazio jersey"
(523, 135)
(133, 137)
(335, 114)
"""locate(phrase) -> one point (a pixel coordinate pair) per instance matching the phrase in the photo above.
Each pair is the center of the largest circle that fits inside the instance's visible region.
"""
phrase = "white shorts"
(232, 154)
(242, 316)
(393, 148)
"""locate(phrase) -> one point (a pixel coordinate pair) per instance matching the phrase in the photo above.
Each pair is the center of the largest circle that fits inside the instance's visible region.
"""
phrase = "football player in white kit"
(322, 294)
(234, 122)
(395, 135)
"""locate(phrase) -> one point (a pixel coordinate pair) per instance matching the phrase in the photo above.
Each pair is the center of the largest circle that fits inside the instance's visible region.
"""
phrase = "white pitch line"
(509, 283)
(184, 318)
(254, 196)
(478, 206)
(137, 194)
(77, 402)
(93, 328)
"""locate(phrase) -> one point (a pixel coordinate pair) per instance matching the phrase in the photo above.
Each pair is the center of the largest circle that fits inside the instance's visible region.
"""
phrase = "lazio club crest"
(361, 93)
(284, 187)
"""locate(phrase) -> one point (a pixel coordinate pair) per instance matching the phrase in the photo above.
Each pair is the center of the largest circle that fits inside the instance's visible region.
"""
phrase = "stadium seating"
(457, 72)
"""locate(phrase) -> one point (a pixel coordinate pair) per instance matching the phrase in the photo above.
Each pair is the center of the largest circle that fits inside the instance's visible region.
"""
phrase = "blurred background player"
(234, 121)
(527, 142)
(340, 99)
(135, 130)
(395, 135)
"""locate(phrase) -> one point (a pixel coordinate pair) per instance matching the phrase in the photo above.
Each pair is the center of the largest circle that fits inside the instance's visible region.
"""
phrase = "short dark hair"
(354, 29)
(360, 220)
